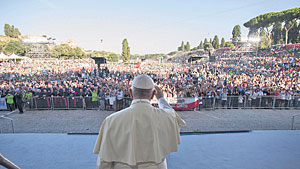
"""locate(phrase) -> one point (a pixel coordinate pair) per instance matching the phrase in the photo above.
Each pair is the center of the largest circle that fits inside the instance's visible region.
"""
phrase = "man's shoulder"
(130, 111)
(118, 113)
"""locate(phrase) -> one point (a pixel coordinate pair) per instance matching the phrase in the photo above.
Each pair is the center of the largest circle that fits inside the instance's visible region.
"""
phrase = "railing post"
(214, 101)
(35, 103)
(245, 101)
(12, 125)
(259, 104)
(274, 101)
(293, 119)
(83, 103)
(52, 103)
(293, 123)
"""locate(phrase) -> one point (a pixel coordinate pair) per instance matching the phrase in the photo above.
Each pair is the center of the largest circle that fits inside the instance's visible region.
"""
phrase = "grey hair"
(142, 93)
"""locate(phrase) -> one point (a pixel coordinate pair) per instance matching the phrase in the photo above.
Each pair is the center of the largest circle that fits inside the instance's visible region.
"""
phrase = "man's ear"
(153, 94)
(130, 93)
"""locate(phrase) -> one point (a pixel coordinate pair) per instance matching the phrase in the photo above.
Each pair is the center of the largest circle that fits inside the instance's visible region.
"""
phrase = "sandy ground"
(88, 121)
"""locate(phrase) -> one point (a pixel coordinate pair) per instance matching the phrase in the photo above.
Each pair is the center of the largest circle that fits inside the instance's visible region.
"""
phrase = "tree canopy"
(222, 42)
(201, 46)
(216, 42)
(125, 51)
(236, 33)
(187, 46)
(12, 46)
(11, 31)
(267, 22)
(64, 51)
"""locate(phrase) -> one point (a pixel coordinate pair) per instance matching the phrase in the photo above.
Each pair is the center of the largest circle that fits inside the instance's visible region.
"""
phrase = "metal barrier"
(246, 102)
(293, 120)
(5, 116)
(43, 103)
(60, 103)
(91, 105)
(207, 103)
(76, 102)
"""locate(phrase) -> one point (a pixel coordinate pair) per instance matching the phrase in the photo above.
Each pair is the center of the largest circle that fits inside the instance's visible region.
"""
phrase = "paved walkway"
(88, 121)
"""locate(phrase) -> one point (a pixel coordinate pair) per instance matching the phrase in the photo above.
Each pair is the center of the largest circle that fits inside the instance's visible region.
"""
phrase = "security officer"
(28, 97)
(19, 101)
(140, 136)
(10, 101)
(95, 98)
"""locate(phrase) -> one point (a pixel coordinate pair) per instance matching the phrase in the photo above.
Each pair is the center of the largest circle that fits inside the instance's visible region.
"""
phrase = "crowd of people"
(246, 76)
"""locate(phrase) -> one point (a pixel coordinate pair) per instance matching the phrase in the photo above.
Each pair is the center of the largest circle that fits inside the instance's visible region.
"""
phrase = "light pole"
(101, 42)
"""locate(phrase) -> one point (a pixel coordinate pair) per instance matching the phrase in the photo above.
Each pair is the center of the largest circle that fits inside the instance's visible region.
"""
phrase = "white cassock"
(138, 137)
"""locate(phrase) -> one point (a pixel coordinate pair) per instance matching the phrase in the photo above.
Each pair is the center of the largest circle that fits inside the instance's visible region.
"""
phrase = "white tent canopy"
(13, 56)
(3, 56)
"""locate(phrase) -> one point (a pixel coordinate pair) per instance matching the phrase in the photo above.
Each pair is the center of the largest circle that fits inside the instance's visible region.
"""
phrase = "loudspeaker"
(99, 60)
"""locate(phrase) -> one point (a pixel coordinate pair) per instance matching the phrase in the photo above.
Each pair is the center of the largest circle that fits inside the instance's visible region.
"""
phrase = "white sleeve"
(163, 104)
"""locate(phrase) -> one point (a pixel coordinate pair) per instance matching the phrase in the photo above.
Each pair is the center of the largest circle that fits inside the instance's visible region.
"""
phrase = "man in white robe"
(141, 136)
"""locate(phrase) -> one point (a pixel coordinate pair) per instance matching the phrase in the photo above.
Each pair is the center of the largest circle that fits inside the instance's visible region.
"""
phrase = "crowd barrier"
(73, 103)
(245, 102)
(115, 104)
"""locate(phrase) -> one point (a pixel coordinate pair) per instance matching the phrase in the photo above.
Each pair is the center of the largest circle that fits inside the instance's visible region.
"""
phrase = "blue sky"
(153, 26)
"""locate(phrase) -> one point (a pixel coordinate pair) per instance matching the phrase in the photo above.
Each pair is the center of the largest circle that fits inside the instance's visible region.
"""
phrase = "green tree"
(298, 37)
(100, 53)
(201, 45)
(208, 46)
(236, 33)
(205, 41)
(11, 31)
(276, 33)
(125, 56)
(79, 53)
(16, 47)
(194, 48)
(128, 52)
(17, 32)
(264, 41)
(267, 21)
(187, 47)
(181, 47)
(125, 51)
(7, 30)
(210, 40)
(215, 42)
(113, 57)
(2, 45)
(222, 42)
(294, 32)
(229, 44)
(64, 51)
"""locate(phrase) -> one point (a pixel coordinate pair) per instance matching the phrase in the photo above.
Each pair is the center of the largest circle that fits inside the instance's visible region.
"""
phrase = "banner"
(3, 104)
(181, 103)
(186, 103)
(138, 65)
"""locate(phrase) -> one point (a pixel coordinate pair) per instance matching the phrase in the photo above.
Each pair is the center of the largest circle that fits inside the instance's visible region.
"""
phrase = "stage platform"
(245, 150)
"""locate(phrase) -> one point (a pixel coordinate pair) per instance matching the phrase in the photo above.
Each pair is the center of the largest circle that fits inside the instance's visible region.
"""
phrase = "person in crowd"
(273, 70)
(19, 101)
(10, 101)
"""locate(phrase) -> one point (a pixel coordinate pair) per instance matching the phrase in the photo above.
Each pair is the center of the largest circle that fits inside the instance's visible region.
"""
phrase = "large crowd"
(274, 72)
